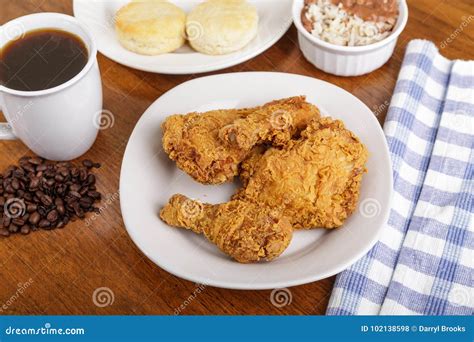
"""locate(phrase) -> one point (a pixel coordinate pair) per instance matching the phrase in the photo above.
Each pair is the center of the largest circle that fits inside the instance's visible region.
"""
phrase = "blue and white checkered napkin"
(424, 261)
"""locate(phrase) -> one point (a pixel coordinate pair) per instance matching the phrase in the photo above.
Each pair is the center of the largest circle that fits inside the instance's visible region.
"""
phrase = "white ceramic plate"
(98, 15)
(148, 179)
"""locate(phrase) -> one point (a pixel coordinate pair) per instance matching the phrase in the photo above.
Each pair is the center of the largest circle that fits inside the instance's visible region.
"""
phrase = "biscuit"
(150, 27)
(219, 27)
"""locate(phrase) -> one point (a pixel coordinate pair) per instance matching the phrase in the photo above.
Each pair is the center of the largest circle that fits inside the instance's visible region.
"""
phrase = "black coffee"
(41, 59)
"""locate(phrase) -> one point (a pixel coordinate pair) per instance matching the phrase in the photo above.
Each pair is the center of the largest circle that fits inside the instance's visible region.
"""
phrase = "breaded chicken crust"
(210, 146)
(315, 179)
(243, 230)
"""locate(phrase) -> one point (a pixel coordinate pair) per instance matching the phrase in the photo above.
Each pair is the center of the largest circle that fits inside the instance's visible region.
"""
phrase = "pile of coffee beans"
(39, 194)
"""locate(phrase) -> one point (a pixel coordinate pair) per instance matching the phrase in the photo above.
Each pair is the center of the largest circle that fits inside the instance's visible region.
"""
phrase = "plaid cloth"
(424, 261)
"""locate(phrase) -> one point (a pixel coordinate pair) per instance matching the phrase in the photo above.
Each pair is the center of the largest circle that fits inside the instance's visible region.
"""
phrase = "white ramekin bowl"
(347, 60)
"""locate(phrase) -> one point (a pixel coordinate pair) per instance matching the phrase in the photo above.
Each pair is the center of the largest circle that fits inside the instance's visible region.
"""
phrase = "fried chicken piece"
(240, 229)
(316, 178)
(194, 140)
(275, 123)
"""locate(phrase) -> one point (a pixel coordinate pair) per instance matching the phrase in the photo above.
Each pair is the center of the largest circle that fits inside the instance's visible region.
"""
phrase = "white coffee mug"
(59, 123)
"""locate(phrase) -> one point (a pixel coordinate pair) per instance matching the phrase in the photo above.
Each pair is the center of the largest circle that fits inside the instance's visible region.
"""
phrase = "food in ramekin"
(350, 22)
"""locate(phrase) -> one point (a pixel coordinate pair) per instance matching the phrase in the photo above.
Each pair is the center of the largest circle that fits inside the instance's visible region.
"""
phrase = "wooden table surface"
(58, 272)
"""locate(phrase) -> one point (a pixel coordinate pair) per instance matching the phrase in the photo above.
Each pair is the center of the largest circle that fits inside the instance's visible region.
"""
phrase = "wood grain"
(58, 271)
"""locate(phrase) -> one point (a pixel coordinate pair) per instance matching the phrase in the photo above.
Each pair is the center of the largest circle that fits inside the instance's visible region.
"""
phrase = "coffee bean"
(35, 160)
(34, 218)
(18, 221)
(31, 207)
(70, 201)
(87, 163)
(64, 172)
(61, 210)
(94, 194)
(46, 200)
(34, 183)
(28, 167)
(49, 173)
(86, 202)
(10, 170)
(6, 221)
(42, 211)
(82, 174)
(15, 184)
(44, 223)
(90, 179)
(52, 216)
(25, 230)
(18, 172)
(75, 194)
(55, 193)
(13, 228)
(78, 210)
(59, 178)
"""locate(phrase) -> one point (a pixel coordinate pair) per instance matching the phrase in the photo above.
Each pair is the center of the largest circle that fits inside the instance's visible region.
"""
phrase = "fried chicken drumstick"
(210, 146)
(242, 230)
(315, 178)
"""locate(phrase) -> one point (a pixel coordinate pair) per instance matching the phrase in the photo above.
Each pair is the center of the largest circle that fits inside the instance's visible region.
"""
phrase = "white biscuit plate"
(98, 15)
(149, 178)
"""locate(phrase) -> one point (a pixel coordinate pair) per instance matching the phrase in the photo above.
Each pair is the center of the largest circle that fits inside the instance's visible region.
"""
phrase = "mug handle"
(6, 131)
